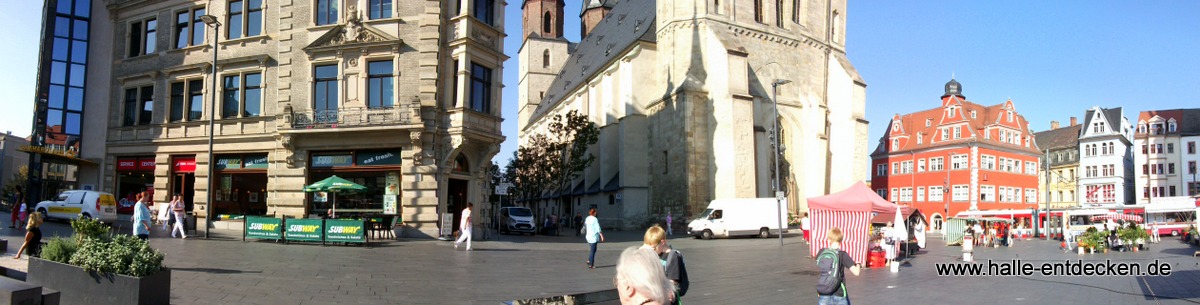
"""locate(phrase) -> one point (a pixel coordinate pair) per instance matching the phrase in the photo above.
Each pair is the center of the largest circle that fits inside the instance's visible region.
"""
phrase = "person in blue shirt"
(593, 235)
(141, 218)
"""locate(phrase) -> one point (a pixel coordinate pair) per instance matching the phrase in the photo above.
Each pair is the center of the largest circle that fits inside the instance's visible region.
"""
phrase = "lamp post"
(212, 112)
(775, 134)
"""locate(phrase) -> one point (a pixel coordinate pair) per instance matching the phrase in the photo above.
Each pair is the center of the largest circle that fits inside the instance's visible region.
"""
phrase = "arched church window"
(546, 22)
(546, 58)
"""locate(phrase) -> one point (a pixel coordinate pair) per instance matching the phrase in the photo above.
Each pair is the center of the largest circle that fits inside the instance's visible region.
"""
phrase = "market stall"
(851, 210)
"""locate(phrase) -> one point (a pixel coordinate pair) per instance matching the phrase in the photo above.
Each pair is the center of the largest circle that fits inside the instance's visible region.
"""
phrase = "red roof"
(914, 124)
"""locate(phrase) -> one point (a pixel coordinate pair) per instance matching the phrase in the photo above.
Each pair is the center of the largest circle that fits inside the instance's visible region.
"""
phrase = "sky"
(1054, 59)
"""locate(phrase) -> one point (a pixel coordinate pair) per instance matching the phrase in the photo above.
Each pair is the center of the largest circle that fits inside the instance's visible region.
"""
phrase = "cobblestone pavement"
(225, 270)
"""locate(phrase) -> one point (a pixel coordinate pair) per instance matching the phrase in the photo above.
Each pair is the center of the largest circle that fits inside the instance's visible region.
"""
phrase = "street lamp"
(775, 134)
(212, 112)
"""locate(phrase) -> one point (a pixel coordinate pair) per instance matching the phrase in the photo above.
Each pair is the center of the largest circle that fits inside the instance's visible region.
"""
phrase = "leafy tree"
(550, 161)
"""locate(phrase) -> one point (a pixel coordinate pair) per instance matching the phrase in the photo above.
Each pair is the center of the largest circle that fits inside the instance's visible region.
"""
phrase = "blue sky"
(1054, 59)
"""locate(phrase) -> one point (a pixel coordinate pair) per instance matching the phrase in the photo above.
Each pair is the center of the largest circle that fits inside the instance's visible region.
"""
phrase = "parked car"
(517, 219)
(739, 216)
(77, 203)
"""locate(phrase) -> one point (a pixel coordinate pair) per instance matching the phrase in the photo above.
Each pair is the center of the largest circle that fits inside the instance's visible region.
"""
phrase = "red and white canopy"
(1118, 216)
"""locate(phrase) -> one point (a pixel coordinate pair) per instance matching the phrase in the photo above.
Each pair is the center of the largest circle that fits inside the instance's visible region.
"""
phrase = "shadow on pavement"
(1167, 287)
(213, 270)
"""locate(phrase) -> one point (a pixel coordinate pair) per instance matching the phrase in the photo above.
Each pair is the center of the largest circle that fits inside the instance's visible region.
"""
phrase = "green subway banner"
(256, 161)
(264, 227)
(304, 230)
(349, 231)
(371, 158)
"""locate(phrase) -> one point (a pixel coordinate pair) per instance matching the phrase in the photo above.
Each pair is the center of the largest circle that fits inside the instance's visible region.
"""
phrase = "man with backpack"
(831, 283)
(655, 240)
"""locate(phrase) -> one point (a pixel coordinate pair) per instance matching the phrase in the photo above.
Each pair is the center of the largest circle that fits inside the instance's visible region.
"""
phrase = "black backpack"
(682, 288)
(830, 265)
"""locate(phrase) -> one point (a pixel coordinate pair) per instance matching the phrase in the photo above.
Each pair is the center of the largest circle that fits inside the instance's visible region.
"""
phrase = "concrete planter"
(79, 286)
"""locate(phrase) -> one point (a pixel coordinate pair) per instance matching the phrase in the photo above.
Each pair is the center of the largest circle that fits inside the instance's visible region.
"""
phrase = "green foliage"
(1133, 233)
(18, 179)
(1092, 238)
(553, 158)
(60, 249)
(89, 228)
(123, 254)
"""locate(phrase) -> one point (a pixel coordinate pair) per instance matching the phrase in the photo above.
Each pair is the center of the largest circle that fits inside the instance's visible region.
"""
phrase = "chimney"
(1053, 125)
(1074, 121)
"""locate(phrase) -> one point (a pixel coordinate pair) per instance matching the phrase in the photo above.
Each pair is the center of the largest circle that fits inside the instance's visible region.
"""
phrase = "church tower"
(542, 54)
(593, 11)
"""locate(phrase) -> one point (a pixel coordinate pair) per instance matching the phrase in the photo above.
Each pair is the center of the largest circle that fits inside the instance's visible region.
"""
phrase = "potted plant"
(100, 268)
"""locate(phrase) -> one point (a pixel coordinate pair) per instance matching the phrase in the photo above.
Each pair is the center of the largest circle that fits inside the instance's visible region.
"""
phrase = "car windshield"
(520, 212)
(705, 214)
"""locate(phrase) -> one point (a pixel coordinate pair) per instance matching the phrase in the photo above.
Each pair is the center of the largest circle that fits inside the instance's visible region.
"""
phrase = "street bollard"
(968, 248)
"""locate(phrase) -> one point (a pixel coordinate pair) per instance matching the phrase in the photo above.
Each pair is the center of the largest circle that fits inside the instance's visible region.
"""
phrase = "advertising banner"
(339, 230)
(304, 230)
(264, 227)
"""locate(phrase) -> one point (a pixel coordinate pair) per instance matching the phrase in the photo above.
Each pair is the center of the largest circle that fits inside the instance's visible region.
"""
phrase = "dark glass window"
(758, 14)
(235, 19)
(481, 88)
(143, 36)
(78, 51)
(135, 39)
(327, 12)
(454, 86)
(253, 95)
(83, 8)
(254, 18)
(198, 27)
(74, 119)
(56, 96)
(54, 120)
(58, 73)
(380, 9)
(484, 10)
(80, 30)
(64, 6)
(196, 95)
(325, 88)
(77, 75)
(75, 99)
(176, 102)
(380, 84)
(147, 105)
(62, 26)
(131, 112)
(232, 97)
(183, 21)
(60, 50)
(151, 36)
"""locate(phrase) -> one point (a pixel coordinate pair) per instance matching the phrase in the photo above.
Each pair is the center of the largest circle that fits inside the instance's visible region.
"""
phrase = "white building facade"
(1106, 159)
(1163, 156)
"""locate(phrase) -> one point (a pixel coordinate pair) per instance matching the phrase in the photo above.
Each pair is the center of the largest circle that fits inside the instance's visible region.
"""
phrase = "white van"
(741, 216)
(77, 203)
(517, 219)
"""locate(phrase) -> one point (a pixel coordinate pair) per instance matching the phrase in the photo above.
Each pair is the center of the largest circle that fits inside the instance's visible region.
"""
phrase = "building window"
(546, 58)
(1192, 167)
(1031, 196)
(1171, 127)
(187, 100)
(245, 18)
(380, 84)
(1170, 148)
(988, 162)
(935, 193)
(895, 144)
(142, 37)
(1172, 189)
(972, 114)
(327, 12)
(758, 17)
(881, 170)
(325, 88)
(779, 13)
(189, 30)
(920, 194)
(920, 138)
(895, 168)
(380, 9)
(481, 88)
(928, 122)
(484, 10)
(139, 105)
(1191, 147)
(987, 193)
(957, 132)
(935, 164)
(921, 165)
(243, 96)
(958, 162)
(895, 193)
(961, 193)
(1170, 168)
(796, 11)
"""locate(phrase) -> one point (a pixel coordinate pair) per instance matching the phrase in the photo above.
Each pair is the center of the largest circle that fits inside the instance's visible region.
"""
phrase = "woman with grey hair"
(640, 278)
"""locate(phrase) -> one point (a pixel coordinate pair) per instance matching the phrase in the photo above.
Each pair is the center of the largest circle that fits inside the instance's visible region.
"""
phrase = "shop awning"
(56, 154)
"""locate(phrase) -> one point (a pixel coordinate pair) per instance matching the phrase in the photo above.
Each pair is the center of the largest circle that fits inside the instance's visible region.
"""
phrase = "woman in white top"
(164, 212)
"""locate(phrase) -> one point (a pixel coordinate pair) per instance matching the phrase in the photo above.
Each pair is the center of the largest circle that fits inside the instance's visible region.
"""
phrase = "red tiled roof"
(913, 124)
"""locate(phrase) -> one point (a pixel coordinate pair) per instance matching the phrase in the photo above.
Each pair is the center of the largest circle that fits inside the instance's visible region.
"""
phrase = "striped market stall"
(850, 210)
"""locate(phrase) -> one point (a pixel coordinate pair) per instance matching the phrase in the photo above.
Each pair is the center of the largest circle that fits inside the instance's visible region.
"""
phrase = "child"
(24, 214)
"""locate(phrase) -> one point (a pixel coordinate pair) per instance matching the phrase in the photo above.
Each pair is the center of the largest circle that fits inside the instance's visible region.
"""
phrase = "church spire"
(543, 18)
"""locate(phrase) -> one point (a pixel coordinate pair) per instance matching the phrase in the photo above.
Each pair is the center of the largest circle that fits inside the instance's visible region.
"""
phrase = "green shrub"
(59, 249)
(122, 254)
(89, 228)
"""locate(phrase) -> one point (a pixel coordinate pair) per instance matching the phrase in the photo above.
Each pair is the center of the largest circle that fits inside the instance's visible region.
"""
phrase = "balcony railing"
(352, 117)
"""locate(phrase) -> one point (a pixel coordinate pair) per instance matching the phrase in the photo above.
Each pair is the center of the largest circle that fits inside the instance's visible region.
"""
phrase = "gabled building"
(1166, 153)
(1060, 165)
(956, 157)
(1106, 158)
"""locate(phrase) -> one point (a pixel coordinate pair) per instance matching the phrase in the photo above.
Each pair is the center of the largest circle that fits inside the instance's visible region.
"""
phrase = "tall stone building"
(402, 96)
(1060, 165)
(683, 93)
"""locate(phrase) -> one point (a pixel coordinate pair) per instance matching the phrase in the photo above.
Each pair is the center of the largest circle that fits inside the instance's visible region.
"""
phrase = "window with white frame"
(920, 193)
(987, 162)
(1017, 193)
(906, 194)
(962, 192)
(920, 165)
(920, 138)
(987, 193)
(881, 169)
(908, 167)
(895, 168)
(957, 132)
(937, 164)
(1031, 167)
(895, 194)
(1031, 196)
(958, 162)
(895, 144)
(945, 134)
(935, 193)
(882, 193)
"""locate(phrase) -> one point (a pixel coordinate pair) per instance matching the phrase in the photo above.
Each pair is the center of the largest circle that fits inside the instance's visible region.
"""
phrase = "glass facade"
(58, 119)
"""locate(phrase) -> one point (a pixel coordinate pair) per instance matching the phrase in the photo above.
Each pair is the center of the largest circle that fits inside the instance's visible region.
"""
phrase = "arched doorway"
(936, 222)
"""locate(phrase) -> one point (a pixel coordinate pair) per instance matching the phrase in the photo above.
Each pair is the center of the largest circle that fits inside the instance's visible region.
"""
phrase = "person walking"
(465, 226)
(180, 218)
(831, 283)
(578, 224)
(670, 224)
(804, 227)
(141, 219)
(640, 278)
(1154, 237)
(593, 236)
(24, 214)
(656, 240)
(18, 198)
(164, 212)
(33, 237)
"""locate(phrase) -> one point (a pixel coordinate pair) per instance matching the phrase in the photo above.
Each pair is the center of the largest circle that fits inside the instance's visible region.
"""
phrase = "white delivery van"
(741, 216)
(517, 219)
(77, 203)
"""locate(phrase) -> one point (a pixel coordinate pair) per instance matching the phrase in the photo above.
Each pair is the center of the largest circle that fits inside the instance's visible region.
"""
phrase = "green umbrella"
(334, 184)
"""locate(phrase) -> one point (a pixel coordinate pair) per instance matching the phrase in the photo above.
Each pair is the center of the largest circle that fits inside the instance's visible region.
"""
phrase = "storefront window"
(377, 170)
(241, 187)
(134, 175)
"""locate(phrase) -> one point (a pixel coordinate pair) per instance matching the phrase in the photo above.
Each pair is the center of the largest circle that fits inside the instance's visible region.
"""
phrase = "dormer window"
(920, 138)
(895, 144)
(1141, 128)
(950, 111)
(928, 122)
(1010, 116)
(1171, 126)
(972, 114)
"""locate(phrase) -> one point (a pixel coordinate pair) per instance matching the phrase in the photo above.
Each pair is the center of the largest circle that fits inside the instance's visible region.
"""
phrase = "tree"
(18, 178)
(552, 160)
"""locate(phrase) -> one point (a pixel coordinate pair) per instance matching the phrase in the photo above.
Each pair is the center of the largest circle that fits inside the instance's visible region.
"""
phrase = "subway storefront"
(241, 187)
(377, 170)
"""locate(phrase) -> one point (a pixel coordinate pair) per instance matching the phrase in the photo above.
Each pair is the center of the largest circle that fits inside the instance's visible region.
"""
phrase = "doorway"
(184, 184)
(456, 200)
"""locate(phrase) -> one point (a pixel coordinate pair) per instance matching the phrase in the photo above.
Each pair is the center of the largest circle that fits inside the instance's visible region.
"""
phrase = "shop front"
(183, 178)
(241, 188)
(134, 175)
(377, 170)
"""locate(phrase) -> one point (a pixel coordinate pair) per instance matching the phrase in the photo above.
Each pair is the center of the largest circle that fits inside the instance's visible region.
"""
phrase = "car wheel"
(706, 234)
(764, 233)
(85, 216)
(1174, 233)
